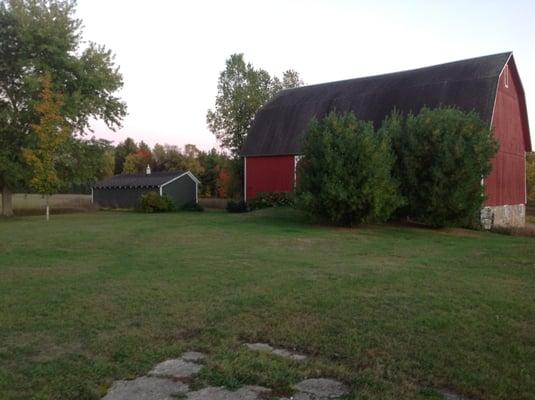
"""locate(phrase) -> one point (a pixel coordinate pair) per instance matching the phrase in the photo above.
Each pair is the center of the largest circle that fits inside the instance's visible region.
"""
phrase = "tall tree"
(40, 37)
(136, 163)
(241, 90)
(50, 133)
(84, 161)
(123, 150)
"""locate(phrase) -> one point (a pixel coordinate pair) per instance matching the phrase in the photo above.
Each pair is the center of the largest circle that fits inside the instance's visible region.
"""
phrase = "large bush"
(152, 202)
(345, 172)
(441, 157)
(273, 199)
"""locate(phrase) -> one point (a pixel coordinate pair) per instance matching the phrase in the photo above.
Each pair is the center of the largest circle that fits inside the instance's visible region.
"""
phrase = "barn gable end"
(505, 187)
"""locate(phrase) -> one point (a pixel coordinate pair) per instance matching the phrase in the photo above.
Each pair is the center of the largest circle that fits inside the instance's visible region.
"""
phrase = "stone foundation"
(503, 216)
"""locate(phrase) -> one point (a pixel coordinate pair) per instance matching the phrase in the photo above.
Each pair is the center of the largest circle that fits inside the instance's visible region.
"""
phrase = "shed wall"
(506, 184)
(269, 174)
(182, 191)
(119, 198)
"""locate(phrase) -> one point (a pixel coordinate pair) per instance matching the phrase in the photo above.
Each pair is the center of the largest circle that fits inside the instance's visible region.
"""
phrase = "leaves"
(51, 133)
(442, 155)
(43, 38)
(345, 172)
(241, 91)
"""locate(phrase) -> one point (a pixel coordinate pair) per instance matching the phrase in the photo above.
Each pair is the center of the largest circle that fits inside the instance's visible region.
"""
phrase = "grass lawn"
(395, 312)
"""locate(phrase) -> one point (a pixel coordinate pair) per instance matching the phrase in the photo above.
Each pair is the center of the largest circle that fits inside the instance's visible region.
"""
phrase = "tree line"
(53, 83)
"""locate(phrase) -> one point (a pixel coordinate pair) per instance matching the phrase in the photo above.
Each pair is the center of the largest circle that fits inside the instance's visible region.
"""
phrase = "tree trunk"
(7, 205)
(47, 208)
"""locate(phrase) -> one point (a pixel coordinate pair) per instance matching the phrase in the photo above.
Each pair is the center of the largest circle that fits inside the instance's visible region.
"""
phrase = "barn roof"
(470, 84)
(155, 179)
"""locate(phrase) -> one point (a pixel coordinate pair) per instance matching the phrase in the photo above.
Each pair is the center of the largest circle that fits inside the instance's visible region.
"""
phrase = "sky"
(171, 52)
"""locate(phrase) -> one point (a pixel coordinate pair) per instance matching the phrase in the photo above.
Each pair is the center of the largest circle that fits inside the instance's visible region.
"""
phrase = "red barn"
(489, 85)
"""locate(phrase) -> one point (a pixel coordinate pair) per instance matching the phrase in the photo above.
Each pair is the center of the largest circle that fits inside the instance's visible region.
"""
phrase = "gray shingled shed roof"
(155, 179)
(470, 84)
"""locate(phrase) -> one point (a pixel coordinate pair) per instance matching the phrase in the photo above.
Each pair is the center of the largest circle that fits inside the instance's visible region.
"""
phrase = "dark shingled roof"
(471, 84)
(154, 179)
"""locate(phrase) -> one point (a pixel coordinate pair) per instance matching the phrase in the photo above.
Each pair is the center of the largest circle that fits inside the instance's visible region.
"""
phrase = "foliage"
(442, 154)
(171, 158)
(123, 150)
(152, 202)
(192, 206)
(530, 177)
(345, 172)
(214, 175)
(241, 91)
(83, 162)
(237, 206)
(44, 37)
(51, 132)
(274, 199)
(167, 158)
(136, 163)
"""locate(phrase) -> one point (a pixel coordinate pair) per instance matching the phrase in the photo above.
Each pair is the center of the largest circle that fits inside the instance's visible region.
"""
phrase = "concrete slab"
(320, 389)
(193, 356)
(267, 348)
(220, 393)
(176, 368)
(146, 388)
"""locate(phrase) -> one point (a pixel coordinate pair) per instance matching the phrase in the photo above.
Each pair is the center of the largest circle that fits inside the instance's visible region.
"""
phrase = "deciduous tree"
(51, 132)
(45, 37)
(241, 90)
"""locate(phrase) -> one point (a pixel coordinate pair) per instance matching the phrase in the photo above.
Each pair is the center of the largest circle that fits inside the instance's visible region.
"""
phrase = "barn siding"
(506, 183)
(269, 174)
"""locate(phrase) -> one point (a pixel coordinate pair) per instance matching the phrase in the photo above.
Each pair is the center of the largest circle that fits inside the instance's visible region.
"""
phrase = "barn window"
(506, 76)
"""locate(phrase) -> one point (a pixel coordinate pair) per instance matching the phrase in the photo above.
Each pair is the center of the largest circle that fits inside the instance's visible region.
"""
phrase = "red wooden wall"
(506, 184)
(268, 174)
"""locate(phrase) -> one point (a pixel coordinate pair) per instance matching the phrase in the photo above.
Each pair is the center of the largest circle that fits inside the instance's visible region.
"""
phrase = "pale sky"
(171, 52)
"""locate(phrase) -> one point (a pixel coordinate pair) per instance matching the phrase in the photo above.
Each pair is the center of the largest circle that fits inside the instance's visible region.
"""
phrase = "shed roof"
(155, 179)
(470, 85)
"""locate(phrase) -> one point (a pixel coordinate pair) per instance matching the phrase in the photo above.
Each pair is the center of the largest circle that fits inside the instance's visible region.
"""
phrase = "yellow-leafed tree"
(530, 177)
(51, 132)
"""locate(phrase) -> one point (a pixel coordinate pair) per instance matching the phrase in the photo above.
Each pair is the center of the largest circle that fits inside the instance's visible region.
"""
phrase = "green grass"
(395, 312)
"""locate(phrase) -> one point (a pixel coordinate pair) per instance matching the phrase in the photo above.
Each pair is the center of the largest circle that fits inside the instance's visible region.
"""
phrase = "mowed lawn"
(395, 312)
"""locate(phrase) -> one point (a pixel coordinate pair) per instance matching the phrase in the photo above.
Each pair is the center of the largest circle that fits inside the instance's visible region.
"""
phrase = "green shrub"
(345, 173)
(192, 206)
(275, 199)
(152, 202)
(237, 206)
(441, 156)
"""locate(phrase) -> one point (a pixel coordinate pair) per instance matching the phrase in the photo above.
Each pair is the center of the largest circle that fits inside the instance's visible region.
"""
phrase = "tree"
(123, 150)
(51, 132)
(85, 161)
(215, 173)
(345, 173)
(191, 161)
(241, 91)
(442, 155)
(167, 158)
(530, 177)
(136, 163)
(44, 37)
